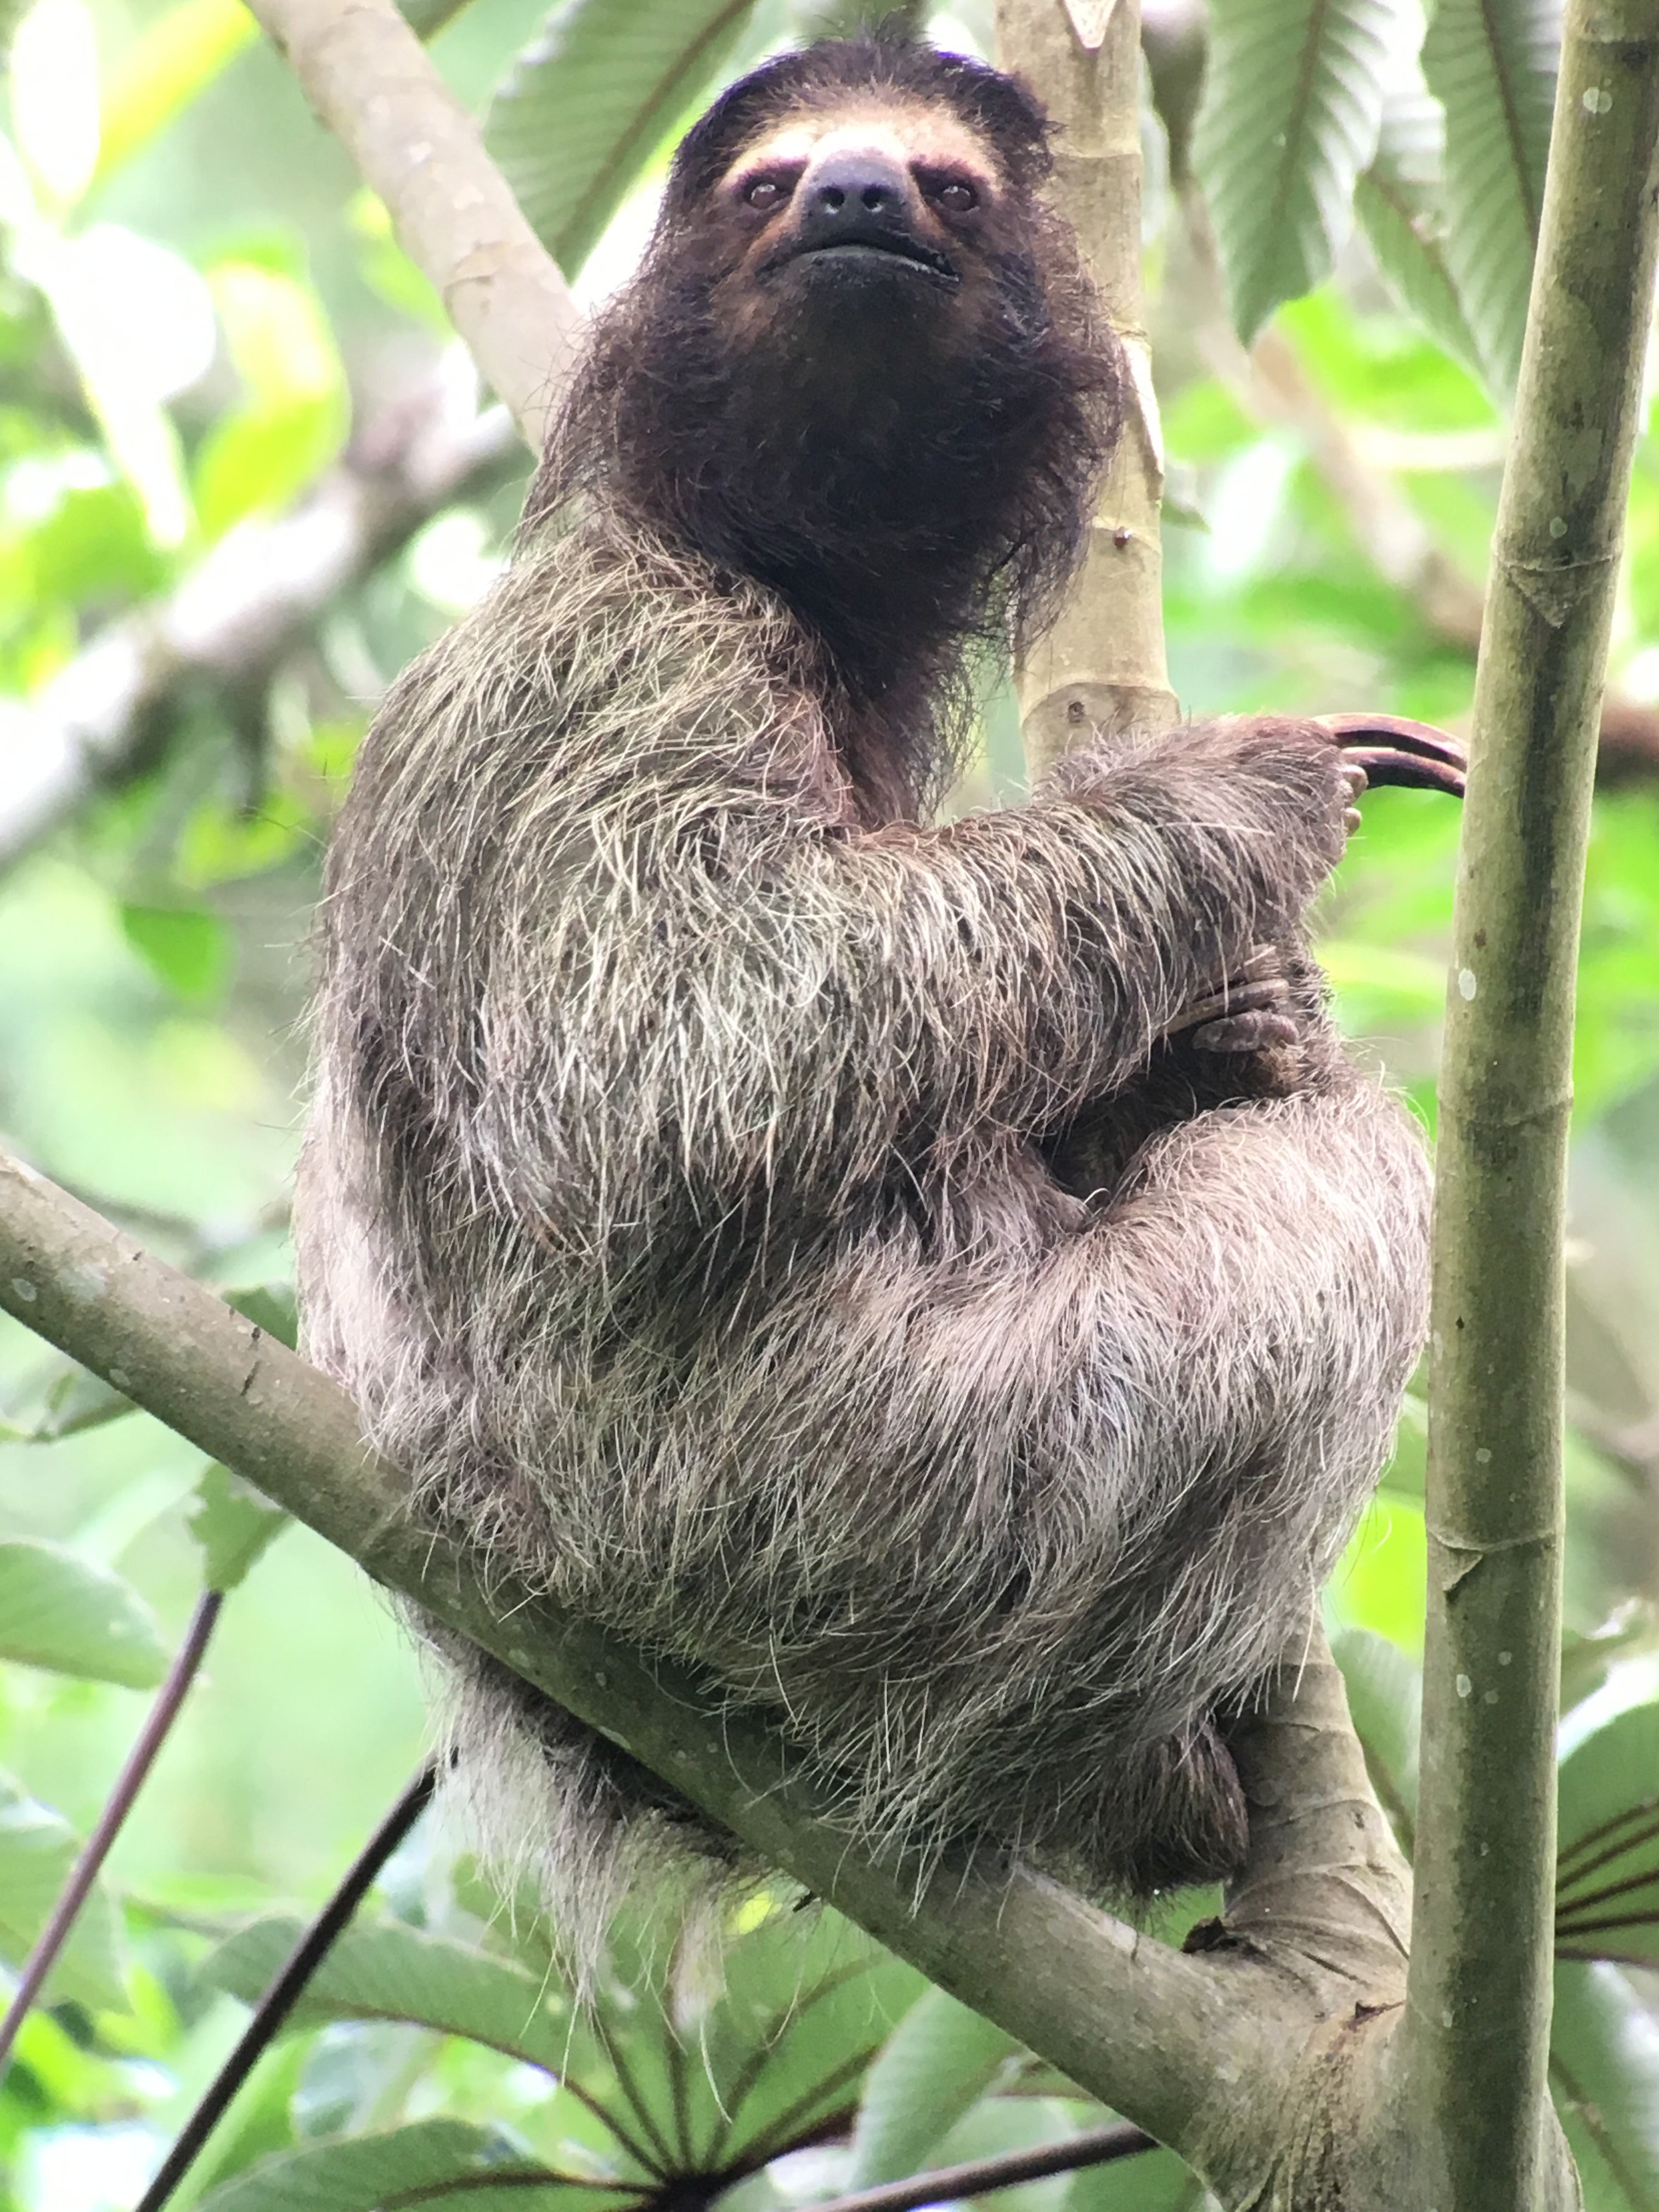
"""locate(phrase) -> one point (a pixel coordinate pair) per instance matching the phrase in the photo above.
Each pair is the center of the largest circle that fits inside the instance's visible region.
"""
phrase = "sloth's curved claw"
(1251, 1032)
(1256, 993)
(1393, 750)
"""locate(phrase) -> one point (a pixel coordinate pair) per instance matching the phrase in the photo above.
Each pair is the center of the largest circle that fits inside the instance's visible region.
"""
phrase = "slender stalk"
(1102, 666)
(1475, 2042)
(289, 1986)
(169, 1698)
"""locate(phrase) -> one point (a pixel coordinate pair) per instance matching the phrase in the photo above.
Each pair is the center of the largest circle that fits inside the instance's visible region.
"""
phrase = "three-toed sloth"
(806, 1237)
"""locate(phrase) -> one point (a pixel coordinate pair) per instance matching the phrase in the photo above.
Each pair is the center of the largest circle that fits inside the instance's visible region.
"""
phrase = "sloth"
(942, 1280)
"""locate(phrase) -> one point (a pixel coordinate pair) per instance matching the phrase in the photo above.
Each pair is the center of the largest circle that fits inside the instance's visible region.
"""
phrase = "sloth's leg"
(1033, 1513)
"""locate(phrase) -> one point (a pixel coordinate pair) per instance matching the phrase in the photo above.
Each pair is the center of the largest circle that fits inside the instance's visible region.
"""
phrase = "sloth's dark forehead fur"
(998, 108)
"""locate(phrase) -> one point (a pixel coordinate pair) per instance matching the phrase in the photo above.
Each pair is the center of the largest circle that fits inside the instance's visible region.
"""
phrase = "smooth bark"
(370, 78)
(1476, 2044)
(1102, 666)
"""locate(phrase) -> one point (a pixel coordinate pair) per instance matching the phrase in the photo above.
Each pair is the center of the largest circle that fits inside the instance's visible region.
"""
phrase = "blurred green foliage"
(197, 304)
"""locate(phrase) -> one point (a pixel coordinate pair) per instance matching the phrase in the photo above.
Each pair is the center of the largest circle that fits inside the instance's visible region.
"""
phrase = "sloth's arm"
(741, 1001)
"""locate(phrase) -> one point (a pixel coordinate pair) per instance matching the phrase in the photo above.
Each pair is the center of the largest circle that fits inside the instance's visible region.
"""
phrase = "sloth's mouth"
(902, 252)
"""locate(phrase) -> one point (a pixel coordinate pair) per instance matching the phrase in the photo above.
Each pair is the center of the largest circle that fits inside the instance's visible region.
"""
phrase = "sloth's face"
(864, 223)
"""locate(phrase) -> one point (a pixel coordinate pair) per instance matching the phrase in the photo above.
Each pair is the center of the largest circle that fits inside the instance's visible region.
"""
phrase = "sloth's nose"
(853, 198)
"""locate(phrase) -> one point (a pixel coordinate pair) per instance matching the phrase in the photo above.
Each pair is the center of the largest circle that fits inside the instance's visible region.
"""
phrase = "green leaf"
(366, 2172)
(1380, 1580)
(1293, 107)
(1607, 1904)
(38, 1850)
(93, 281)
(171, 62)
(390, 274)
(996, 2125)
(1385, 1697)
(1400, 203)
(221, 843)
(271, 1307)
(91, 541)
(259, 2122)
(298, 407)
(939, 2060)
(427, 17)
(582, 109)
(234, 1524)
(60, 1612)
(257, 461)
(189, 950)
(1604, 2069)
(385, 1970)
(75, 1401)
(805, 2005)
(1491, 64)
(1152, 2181)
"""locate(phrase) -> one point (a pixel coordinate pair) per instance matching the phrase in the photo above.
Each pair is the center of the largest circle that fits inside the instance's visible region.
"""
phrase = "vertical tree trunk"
(1475, 2046)
(1102, 666)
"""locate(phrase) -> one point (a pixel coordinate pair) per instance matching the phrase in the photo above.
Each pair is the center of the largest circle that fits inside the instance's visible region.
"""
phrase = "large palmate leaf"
(1604, 2069)
(1400, 203)
(1606, 1900)
(1490, 63)
(675, 2077)
(59, 1611)
(803, 2008)
(1293, 106)
(712, 2074)
(411, 2165)
(582, 109)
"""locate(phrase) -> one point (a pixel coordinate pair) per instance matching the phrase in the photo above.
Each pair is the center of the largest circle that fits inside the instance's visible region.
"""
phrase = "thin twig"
(140, 1759)
(978, 2177)
(285, 1992)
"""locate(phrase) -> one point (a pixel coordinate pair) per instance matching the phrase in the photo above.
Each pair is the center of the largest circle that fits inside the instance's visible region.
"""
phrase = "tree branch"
(370, 80)
(1476, 2041)
(1207, 2053)
(236, 614)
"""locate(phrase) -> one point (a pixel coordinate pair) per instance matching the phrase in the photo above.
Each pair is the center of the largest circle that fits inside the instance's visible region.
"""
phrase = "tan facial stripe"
(922, 137)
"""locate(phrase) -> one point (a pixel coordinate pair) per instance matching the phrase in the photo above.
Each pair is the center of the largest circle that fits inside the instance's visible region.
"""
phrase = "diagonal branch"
(368, 78)
(1199, 2051)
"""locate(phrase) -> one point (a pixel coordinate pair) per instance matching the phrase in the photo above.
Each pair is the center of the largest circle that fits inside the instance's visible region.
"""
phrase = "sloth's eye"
(956, 197)
(765, 192)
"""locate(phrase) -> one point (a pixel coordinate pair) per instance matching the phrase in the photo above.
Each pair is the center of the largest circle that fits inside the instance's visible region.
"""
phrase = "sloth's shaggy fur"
(703, 1194)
